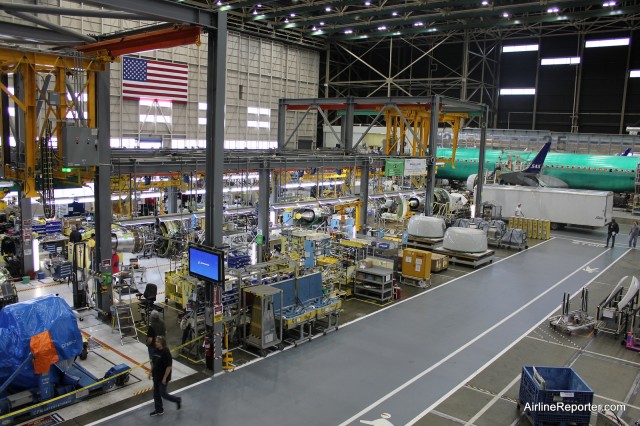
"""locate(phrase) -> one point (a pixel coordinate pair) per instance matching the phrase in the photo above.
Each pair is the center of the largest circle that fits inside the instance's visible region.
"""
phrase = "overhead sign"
(394, 167)
(415, 167)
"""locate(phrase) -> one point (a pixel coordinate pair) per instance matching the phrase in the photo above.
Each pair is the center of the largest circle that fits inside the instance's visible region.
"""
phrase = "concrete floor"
(489, 398)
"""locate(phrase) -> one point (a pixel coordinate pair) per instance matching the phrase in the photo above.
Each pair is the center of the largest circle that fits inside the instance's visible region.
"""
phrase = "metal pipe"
(52, 26)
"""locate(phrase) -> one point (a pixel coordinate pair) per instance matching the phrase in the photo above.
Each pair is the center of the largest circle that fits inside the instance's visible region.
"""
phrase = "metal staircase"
(124, 320)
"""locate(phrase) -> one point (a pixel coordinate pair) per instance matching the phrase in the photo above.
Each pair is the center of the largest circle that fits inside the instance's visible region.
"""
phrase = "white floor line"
(113, 416)
(490, 404)
(613, 358)
(465, 346)
(505, 350)
(438, 287)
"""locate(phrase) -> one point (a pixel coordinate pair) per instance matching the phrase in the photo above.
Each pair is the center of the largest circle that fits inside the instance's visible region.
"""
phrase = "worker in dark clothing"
(75, 236)
(156, 328)
(612, 231)
(161, 374)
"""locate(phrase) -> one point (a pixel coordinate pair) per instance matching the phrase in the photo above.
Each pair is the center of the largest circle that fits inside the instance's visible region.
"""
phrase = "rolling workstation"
(336, 212)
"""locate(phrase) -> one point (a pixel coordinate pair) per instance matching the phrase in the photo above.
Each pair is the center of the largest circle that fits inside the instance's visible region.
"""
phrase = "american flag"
(144, 79)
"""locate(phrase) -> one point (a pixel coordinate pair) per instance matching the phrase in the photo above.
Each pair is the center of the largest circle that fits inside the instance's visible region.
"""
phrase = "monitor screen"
(206, 263)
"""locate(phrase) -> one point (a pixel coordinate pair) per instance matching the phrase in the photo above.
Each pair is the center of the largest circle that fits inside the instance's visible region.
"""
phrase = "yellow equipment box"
(416, 263)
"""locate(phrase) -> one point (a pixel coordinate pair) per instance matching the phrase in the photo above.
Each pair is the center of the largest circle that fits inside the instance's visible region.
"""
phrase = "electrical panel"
(79, 146)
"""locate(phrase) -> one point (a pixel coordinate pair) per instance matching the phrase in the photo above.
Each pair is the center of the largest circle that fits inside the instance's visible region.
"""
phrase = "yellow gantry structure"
(408, 130)
(35, 70)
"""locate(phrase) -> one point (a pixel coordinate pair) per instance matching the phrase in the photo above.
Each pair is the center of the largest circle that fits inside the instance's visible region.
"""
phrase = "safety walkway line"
(467, 345)
(506, 349)
(491, 403)
(40, 286)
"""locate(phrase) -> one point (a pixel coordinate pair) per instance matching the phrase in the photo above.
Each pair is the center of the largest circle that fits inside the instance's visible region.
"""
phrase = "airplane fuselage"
(580, 171)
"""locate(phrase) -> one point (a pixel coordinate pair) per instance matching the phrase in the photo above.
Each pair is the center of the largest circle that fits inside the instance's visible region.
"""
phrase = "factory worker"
(518, 212)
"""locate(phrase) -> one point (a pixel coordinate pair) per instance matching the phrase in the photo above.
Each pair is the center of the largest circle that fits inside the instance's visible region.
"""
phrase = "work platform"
(449, 334)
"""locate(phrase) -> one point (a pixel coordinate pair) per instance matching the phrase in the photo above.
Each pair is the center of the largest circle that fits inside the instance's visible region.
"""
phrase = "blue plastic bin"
(562, 386)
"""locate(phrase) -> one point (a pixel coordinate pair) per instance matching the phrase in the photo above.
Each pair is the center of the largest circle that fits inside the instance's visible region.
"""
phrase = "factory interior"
(399, 212)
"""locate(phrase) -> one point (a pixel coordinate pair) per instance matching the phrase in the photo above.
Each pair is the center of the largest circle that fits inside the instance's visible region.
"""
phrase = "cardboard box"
(439, 262)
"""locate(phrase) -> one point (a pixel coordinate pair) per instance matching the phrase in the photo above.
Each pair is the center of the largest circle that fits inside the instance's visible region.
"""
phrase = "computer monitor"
(206, 263)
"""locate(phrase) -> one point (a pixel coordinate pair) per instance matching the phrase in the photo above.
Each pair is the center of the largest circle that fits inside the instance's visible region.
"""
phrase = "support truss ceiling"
(319, 23)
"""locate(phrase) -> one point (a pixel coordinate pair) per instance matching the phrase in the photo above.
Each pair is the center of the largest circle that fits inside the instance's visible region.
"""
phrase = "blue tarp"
(20, 321)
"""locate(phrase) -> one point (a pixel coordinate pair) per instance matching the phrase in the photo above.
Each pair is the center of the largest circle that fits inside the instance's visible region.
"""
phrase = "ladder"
(124, 320)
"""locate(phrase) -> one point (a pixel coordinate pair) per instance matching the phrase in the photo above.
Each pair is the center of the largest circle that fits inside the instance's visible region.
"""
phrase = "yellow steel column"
(91, 94)
(29, 173)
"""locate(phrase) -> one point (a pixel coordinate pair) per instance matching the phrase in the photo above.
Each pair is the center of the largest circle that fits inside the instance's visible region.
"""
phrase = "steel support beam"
(31, 34)
(52, 10)
(162, 11)
(282, 123)
(432, 152)
(52, 26)
(347, 127)
(172, 200)
(484, 122)
(216, 60)
(103, 190)
(263, 212)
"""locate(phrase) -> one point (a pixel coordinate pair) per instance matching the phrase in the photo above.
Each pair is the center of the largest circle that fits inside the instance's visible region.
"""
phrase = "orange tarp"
(44, 353)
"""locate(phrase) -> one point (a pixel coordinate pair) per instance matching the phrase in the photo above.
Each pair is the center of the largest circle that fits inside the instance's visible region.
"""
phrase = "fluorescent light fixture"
(367, 3)
(520, 48)
(241, 189)
(607, 42)
(150, 195)
(485, 2)
(348, 31)
(634, 74)
(518, 91)
(609, 4)
(553, 10)
(394, 13)
(194, 192)
(321, 22)
(293, 15)
(505, 14)
(240, 176)
(314, 28)
(418, 24)
(382, 28)
(327, 9)
(560, 61)
(312, 184)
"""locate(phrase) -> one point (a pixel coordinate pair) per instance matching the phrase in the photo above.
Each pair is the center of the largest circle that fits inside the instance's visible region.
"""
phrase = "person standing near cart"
(612, 231)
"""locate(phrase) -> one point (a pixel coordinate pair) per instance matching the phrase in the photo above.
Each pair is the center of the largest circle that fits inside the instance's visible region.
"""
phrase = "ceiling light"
(394, 13)
(314, 28)
(364, 36)
(367, 3)
(219, 3)
(327, 9)
(348, 31)
(505, 14)
(609, 3)
(259, 5)
(286, 20)
(418, 24)
(293, 15)
(553, 10)
(396, 33)
(321, 22)
(382, 27)
(255, 12)
(485, 2)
